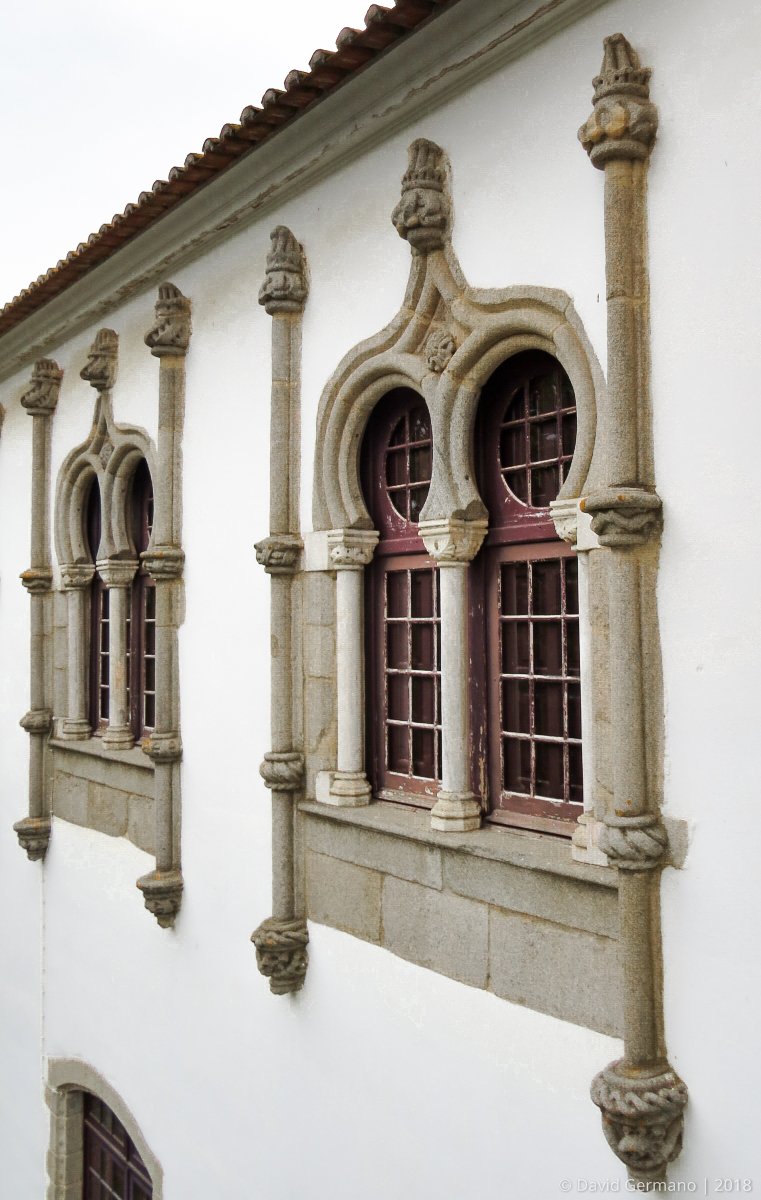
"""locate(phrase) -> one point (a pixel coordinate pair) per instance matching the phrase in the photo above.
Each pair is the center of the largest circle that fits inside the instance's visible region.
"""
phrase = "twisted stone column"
(164, 559)
(281, 939)
(40, 400)
(641, 1098)
(453, 544)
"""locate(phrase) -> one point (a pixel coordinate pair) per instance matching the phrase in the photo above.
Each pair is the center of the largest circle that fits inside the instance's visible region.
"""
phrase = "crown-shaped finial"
(171, 332)
(42, 394)
(285, 284)
(422, 214)
(100, 368)
(624, 122)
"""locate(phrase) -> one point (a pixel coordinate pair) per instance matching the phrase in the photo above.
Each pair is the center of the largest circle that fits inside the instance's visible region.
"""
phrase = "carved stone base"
(118, 737)
(456, 813)
(349, 789)
(162, 892)
(34, 836)
(642, 1117)
(76, 730)
(281, 953)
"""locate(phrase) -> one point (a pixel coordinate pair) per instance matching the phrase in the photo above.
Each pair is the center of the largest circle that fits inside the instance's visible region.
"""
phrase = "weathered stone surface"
(344, 896)
(70, 796)
(577, 905)
(568, 974)
(107, 810)
(141, 823)
(446, 933)
(320, 652)
(377, 851)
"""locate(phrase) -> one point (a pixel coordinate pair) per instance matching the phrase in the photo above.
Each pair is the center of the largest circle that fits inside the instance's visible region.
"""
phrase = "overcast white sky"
(98, 99)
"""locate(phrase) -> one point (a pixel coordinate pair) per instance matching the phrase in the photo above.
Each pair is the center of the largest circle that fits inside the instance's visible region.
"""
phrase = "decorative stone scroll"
(281, 940)
(40, 401)
(641, 1098)
(168, 340)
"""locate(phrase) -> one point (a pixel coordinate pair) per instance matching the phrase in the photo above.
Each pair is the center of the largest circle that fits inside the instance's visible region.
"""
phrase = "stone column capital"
(41, 397)
(37, 579)
(117, 572)
(76, 575)
(163, 562)
(565, 518)
(37, 721)
(422, 215)
(100, 369)
(170, 335)
(452, 541)
(636, 843)
(624, 516)
(279, 553)
(283, 771)
(285, 284)
(163, 747)
(623, 123)
(351, 549)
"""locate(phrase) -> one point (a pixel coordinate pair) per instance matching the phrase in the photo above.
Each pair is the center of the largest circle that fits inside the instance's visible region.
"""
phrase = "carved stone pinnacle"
(37, 579)
(422, 214)
(283, 772)
(285, 283)
(281, 953)
(452, 540)
(279, 553)
(171, 332)
(624, 516)
(162, 892)
(41, 397)
(642, 1117)
(634, 843)
(100, 369)
(439, 350)
(34, 836)
(624, 122)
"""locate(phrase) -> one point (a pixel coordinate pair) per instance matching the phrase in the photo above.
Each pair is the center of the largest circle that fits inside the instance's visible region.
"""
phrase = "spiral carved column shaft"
(641, 1098)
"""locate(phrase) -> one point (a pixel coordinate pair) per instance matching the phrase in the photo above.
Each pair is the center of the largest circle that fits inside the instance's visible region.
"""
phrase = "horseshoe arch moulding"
(444, 343)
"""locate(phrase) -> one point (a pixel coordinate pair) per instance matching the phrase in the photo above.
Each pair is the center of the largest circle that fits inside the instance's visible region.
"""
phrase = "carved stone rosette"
(40, 401)
(281, 953)
(281, 939)
(642, 1117)
(422, 214)
(641, 1098)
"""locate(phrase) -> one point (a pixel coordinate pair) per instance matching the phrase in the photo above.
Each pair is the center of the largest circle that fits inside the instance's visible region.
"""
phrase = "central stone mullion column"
(452, 544)
(350, 551)
(118, 577)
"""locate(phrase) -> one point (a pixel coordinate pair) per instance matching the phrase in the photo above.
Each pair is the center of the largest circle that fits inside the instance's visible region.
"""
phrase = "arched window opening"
(526, 597)
(403, 613)
(141, 621)
(99, 640)
(113, 1167)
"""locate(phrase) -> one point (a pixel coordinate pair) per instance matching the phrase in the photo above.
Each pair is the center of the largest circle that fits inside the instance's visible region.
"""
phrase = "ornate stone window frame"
(68, 1079)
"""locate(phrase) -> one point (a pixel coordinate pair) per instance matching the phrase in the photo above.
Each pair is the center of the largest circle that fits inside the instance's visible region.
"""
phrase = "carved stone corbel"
(422, 214)
(281, 939)
(168, 340)
(641, 1099)
(40, 401)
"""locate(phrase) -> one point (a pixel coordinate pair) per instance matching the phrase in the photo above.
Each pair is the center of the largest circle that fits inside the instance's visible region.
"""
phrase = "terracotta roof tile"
(328, 69)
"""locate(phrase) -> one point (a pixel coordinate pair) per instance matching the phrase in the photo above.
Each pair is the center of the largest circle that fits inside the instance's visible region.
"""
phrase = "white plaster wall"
(381, 1077)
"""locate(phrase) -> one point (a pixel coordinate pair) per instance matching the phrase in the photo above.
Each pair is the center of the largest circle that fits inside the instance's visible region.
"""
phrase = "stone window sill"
(504, 910)
(110, 791)
(94, 748)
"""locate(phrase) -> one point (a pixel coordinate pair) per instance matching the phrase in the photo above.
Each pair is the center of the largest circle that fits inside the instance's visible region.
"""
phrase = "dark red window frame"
(99, 632)
(113, 1168)
(403, 626)
(141, 631)
(526, 709)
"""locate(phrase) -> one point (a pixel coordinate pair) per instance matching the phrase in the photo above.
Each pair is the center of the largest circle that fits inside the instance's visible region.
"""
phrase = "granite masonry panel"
(500, 910)
(102, 792)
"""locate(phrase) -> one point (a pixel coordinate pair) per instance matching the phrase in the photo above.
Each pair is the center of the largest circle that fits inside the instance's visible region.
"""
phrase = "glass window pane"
(514, 589)
(512, 446)
(545, 485)
(572, 634)
(398, 749)
(397, 648)
(397, 591)
(546, 587)
(515, 647)
(548, 647)
(549, 770)
(516, 762)
(574, 710)
(576, 787)
(398, 697)
(421, 583)
(423, 699)
(420, 464)
(544, 439)
(548, 708)
(418, 496)
(517, 482)
(396, 467)
(423, 758)
(516, 706)
(422, 647)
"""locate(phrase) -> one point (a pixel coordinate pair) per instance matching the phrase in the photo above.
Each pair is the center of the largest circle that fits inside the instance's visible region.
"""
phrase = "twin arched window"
(523, 598)
(140, 639)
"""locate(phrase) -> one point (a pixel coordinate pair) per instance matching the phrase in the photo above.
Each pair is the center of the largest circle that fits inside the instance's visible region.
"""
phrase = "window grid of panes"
(537, 437)
(540, 689)
(113, 1169)
(408, 463)
(412, 670)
